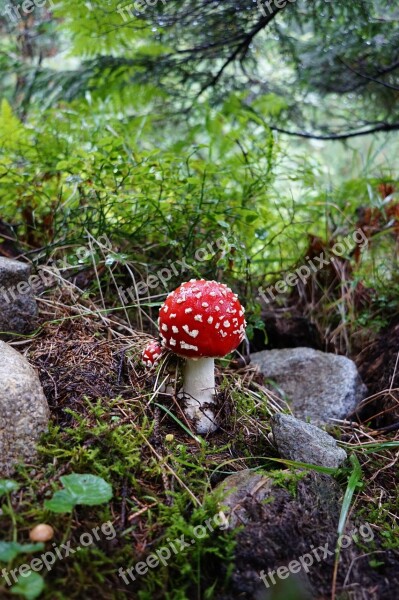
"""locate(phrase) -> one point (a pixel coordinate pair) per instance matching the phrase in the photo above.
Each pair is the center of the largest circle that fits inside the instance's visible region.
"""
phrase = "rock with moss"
(18, 309)
(24, 411)
(283, 515)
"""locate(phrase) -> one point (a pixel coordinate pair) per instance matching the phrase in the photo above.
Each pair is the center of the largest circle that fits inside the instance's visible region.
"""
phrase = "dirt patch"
(379, 368)
(289, 527)
(78, 356)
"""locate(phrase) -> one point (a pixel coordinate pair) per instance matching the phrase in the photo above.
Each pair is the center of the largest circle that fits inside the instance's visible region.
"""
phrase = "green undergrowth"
(163, 484)
(99, 445)
(161, 480)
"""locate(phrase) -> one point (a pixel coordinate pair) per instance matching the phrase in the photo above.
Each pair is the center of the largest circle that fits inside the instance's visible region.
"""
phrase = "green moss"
(288, 479)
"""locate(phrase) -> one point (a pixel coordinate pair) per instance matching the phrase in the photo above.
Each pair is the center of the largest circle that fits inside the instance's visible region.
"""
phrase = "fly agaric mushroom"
(200, 321)
(151, 354)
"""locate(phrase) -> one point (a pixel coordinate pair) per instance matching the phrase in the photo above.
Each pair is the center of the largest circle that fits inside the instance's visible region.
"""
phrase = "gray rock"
(18, 308)
(316, 384)
(237, 487)
(302, 442)
(24, 412)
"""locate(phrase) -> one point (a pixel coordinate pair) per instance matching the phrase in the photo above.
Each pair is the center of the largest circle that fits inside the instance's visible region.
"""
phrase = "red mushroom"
(151, 354)
(201, 320)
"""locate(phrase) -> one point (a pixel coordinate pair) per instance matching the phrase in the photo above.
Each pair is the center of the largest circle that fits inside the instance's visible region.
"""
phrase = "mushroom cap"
(151, 354)
(202, 319)
(41, 533)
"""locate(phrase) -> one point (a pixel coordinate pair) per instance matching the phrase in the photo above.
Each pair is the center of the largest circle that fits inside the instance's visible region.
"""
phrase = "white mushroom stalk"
(199, 393)
(199, 321)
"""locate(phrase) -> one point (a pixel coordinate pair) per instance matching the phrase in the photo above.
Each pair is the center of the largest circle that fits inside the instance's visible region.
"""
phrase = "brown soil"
(288, 528)
(379, 367)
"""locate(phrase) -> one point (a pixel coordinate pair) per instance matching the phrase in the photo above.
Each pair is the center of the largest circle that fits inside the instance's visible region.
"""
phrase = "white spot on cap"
(199, 295)
(185, 346)
(210, 320)
(188, 310)
(226, 323)
(205, 304)
(212, 294)
(198, 318)
(221, 301)
(165, 308)
(175, 329)
(217, 308)
(217, 325)
(173, 316)
(192, 333)
(172, 342)
(223, 333)
(164, 327)
(180, 300)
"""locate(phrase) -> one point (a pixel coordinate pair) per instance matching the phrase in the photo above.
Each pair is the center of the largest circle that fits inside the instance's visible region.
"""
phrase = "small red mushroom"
(200, 321)
(151, 354)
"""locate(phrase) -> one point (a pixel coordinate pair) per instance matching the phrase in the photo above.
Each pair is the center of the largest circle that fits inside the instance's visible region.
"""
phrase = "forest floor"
(108, 420)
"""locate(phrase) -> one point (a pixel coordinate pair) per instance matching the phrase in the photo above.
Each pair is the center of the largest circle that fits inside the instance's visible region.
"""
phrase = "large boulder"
(302, 442)
(24, 411)
(317, 385)
(18, 308)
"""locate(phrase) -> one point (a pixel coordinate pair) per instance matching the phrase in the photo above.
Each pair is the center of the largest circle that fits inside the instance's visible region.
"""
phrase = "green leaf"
(353, 481)
(79, 489)
(7, 486)
(223, 224)
(61, 502)
(9, 550)
(30, 586)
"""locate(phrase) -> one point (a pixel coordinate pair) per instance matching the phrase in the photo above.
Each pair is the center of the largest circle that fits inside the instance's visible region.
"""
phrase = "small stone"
(24, 412)
(302, 442)
(239, 486)
(317, 385)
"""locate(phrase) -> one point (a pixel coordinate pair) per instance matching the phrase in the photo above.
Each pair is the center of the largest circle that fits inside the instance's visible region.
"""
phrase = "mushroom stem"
(199, 393)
